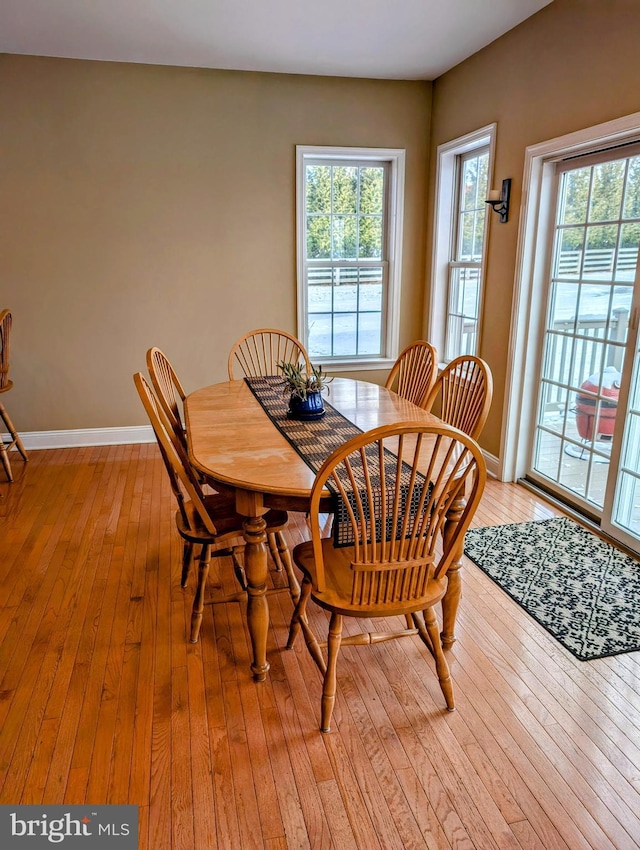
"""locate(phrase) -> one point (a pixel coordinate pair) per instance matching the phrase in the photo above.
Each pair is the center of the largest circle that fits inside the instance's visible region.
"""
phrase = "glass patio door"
(621, 516)
(586, 438)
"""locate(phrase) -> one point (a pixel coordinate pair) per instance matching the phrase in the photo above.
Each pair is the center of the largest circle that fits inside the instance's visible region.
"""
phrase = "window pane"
(319, 335)
(345, 189)
(474, 182)
(345, 299)
(318, 191)
(370, 246)
(606, 194)
(371, 191)
(467, 233)
(553, 404)
(370, 295)
(478, 235)
(558, 355)
(318, 237)
(319, 298)
(547, 454)
(627, 258)
(348, 275)
(631, 207)
(601, 243)
(569, 253)
(369, 333)
(574, 196)
(631, 456)
(345, 334)
(563, 308)
(344, 237)
(463, 306)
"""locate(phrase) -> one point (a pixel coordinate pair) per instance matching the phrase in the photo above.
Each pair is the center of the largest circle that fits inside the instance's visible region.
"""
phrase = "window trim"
(444, 229)
(395, 221)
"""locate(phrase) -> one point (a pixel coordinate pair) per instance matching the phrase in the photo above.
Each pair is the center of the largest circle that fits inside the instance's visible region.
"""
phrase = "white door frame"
(530, 280)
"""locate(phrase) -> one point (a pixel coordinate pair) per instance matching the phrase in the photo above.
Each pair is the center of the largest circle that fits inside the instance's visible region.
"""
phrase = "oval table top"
(233, 442)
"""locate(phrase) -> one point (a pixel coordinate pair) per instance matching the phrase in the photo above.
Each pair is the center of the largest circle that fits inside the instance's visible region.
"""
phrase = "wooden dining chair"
(5, 386)
(465, 389)
(414, 373)
(257, 353)
(392, 487)
(171, 396)
(209, 521)
(169, 390)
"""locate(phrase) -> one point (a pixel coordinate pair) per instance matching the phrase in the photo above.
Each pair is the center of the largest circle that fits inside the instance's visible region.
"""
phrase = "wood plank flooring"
(103, 700)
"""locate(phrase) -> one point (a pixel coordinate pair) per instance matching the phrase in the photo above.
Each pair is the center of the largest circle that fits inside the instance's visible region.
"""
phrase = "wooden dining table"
(239, 449)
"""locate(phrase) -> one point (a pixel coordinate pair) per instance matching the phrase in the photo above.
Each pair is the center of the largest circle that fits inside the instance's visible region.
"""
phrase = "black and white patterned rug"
(583, 591)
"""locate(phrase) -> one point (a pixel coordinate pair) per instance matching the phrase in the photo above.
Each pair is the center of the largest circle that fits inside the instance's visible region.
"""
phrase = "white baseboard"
(493, 464)
(85, 437)
(133, 434)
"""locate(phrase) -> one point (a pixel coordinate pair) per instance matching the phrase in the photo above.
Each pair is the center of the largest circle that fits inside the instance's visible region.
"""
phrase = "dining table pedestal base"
(255, 566)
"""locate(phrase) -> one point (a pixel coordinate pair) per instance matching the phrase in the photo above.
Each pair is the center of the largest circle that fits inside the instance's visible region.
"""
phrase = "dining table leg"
(451, 599)
(256, 571)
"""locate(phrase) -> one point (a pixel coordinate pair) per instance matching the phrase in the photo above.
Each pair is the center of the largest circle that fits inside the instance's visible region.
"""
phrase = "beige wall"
(155, 206)
(573, 65)
(144, 205)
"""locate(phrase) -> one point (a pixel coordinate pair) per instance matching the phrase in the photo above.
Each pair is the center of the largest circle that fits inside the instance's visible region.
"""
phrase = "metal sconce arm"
(501, 204)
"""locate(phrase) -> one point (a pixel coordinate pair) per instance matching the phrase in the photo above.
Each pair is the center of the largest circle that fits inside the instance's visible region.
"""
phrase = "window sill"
(371, 365)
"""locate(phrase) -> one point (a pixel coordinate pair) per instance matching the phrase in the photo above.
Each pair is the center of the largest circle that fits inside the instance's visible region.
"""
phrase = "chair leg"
(285, 558)
(187, 555)
(442, 667)
(299, 614)
(5, 461)
(273, 548)
(15, 437)
(238, 566)
(330, 677)
(198, 600)
(15, 441)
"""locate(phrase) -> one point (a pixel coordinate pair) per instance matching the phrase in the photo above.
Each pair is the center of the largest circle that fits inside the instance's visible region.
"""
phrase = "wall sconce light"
(499, 199)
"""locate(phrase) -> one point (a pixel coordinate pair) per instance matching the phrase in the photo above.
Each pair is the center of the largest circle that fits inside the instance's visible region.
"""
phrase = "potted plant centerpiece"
(304, 391)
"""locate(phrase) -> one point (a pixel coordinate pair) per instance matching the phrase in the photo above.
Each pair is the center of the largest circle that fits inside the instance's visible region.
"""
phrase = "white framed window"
(463, 179)
(349, 239)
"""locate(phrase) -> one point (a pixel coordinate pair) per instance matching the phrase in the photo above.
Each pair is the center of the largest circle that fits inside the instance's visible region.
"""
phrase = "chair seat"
(339, 579)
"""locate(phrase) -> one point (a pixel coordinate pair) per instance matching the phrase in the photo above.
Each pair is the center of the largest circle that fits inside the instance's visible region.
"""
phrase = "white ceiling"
(389, 39)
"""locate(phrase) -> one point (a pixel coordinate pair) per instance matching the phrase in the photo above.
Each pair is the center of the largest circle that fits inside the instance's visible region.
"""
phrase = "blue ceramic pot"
(311, 407)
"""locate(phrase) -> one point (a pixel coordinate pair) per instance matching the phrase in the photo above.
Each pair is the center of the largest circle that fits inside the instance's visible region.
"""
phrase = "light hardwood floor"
(103, 700)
